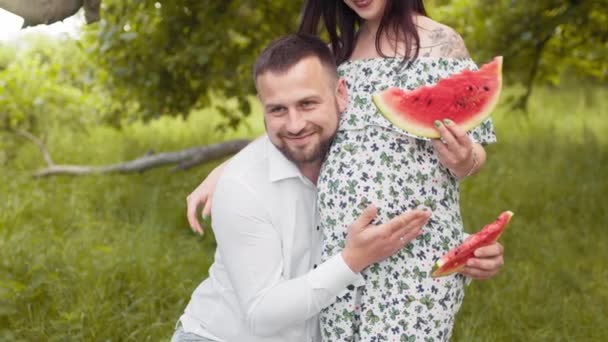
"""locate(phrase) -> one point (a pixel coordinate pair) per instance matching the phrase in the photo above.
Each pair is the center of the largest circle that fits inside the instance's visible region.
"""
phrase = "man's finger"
(366, 217)
(403, 231)
(407, 221)
(458, 133)
(407, 234)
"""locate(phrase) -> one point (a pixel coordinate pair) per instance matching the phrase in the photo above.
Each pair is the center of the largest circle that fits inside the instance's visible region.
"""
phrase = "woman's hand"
(456, 150)
(487, 262)
(202, 196)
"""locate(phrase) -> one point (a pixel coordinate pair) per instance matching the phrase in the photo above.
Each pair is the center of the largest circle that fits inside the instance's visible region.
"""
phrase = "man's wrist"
(351, 261)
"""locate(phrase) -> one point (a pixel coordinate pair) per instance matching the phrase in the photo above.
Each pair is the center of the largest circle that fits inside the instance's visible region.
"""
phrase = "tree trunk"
(36, 12)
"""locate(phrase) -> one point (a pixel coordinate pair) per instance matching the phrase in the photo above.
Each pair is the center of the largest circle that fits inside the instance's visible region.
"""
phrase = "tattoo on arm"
(444, 43)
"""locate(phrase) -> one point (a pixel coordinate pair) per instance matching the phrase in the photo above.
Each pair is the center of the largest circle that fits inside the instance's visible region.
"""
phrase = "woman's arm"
(201, 196)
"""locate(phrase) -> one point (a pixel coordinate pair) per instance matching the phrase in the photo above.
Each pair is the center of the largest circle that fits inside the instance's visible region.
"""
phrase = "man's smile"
(301, 139)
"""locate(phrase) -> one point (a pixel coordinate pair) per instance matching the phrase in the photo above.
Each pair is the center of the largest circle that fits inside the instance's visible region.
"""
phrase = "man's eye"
(276, 110)
(308, 104)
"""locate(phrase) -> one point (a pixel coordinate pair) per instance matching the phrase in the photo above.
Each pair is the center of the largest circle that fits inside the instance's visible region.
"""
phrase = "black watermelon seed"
(486, 88)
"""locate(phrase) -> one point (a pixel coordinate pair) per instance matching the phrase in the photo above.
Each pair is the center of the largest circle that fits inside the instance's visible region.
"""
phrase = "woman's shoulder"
(439, 40)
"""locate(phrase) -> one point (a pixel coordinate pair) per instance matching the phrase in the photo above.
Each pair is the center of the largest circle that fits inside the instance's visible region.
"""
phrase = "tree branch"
(45, 153)
(522, 103)
(539, 48)
(184, 159)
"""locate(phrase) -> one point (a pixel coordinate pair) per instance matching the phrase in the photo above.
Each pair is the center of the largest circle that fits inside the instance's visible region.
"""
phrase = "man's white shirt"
(267, 282)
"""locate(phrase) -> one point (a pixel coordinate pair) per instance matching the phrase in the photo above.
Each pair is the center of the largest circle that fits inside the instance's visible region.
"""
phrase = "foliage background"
(111, 258)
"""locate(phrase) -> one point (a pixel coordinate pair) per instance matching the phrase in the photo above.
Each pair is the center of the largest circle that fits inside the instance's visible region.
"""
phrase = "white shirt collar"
(279, 166)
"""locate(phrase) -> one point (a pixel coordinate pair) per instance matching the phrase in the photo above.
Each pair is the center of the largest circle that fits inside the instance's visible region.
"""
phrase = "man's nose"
(295, 122)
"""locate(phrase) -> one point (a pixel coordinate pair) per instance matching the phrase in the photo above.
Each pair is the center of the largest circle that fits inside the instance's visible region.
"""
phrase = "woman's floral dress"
(372, 161)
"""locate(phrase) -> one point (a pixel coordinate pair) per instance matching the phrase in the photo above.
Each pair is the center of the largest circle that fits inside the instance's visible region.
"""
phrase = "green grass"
(111, 258)
(551, 170)
(102, 258)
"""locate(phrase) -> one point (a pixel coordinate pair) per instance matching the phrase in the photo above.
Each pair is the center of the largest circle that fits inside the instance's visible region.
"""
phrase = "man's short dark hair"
(285, 52)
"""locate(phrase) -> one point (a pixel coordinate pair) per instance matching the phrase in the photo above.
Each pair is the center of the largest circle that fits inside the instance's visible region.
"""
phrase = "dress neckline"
(412, 60)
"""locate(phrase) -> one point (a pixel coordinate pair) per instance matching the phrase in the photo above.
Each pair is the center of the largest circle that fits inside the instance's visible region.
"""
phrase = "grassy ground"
(110, 258)
(552, 171)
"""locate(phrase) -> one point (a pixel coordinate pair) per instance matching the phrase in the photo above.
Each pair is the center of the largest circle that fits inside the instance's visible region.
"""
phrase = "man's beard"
(317, 153)
(311, 155)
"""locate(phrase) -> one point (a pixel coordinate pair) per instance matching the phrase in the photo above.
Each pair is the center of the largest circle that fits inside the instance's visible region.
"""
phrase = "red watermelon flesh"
(456, 259)
(467, 98)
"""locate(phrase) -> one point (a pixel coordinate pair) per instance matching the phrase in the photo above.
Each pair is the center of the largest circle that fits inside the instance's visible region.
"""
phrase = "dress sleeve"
(484, 133)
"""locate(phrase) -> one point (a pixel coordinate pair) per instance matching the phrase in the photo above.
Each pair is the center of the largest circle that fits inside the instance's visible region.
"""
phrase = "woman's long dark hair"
(341, 24)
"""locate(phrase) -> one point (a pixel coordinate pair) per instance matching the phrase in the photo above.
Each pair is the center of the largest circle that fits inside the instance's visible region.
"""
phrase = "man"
(266, 283)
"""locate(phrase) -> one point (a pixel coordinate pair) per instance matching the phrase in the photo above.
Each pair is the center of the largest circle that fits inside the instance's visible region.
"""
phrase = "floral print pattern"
(372, 161)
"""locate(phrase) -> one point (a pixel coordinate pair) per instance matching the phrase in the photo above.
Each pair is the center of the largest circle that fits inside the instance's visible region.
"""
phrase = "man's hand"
(367, 243)
(202, 196)
(487, 262)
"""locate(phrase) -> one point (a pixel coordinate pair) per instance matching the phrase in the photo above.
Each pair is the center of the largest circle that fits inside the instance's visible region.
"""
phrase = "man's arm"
(252, 251)
(202, 195)
(251, 248)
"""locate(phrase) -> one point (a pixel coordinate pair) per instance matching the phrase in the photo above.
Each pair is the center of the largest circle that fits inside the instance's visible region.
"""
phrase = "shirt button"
(317, 227)
(314, 266)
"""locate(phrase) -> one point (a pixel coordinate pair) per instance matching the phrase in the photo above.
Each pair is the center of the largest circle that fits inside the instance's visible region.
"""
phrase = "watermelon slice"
(467, 98)
(456, 259)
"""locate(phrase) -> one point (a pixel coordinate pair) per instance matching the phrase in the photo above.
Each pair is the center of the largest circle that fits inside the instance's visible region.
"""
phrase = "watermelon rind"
(425, 132)
(413, 131)
(436, 272)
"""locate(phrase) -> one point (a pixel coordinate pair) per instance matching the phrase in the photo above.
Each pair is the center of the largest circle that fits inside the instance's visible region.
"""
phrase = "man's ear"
(342, 95)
